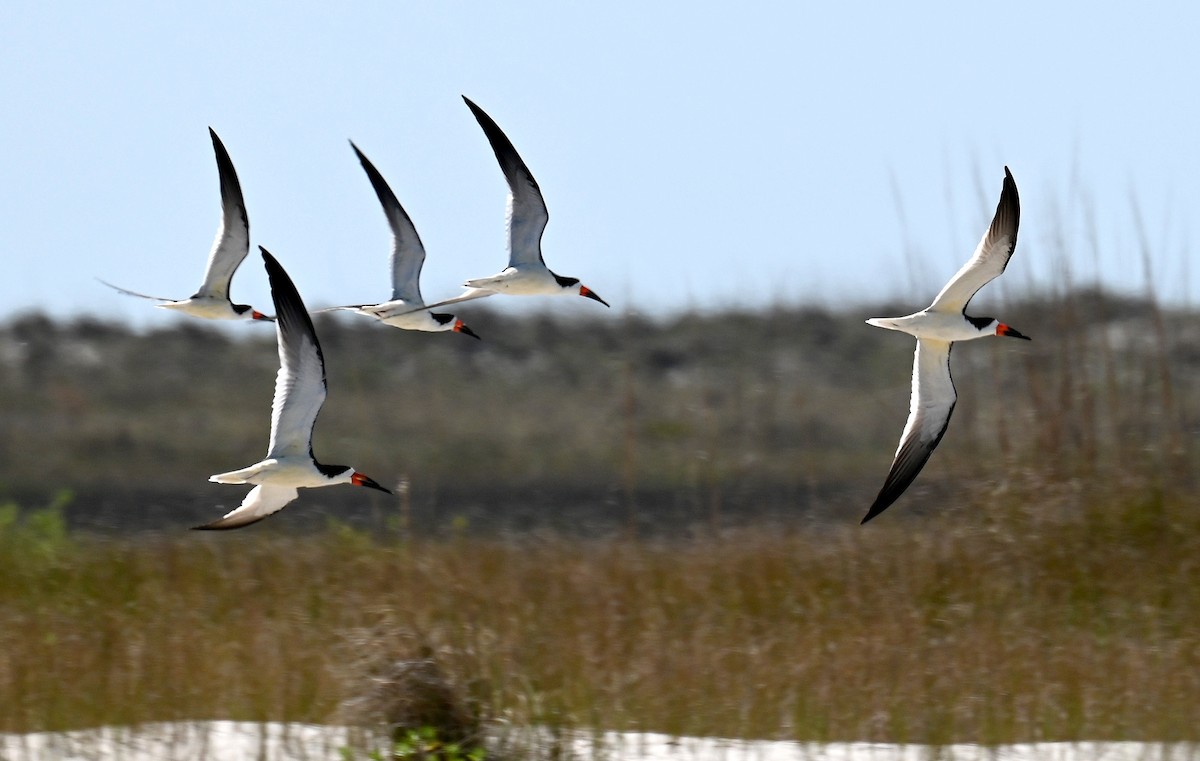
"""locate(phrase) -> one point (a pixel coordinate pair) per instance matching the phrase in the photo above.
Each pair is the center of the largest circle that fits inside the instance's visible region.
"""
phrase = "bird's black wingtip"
(214, 527)
(219, 146)
(1009, 182)
(276, 275)
(878, 507)
(475, 109)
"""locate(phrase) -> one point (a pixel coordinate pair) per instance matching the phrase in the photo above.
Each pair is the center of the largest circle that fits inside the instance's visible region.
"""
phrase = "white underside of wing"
(933, 396)
(408, 254)
(526, 221)
(989, 260)
(228, 251)
(930, 406)
(233, 236)
(526, 215)
(263, 500)
(406, 275)
(991, 255)
(299, 394)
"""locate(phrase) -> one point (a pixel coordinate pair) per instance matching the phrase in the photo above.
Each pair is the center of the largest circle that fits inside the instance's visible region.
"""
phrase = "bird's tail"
(236, 476)
(354, 307)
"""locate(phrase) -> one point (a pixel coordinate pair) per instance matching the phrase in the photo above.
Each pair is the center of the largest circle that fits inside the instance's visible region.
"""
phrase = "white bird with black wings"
(230, 247)
(936, 328)
(405, 310)
(299, 393)
(526, 273)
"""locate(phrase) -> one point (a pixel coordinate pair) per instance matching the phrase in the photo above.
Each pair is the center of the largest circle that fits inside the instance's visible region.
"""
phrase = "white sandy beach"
(226, 740)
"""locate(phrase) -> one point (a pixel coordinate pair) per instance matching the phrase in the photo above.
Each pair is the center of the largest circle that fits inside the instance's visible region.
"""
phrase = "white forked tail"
(242, 476)
(890, 323)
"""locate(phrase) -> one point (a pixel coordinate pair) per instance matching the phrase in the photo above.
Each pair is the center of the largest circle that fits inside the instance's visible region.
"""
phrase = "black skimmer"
(936, 328)
(526, 273)
(299, 393)
(229, 249)
(406, 309)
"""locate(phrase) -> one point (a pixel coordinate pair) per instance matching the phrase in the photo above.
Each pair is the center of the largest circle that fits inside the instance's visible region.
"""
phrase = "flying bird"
(526, 273)
(406, 307)
(229, 249)
(299, 393)
(936, 328)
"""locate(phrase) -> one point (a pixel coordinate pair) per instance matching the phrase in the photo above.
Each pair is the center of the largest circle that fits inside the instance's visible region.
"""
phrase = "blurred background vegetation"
(619, 523)
(610, 424)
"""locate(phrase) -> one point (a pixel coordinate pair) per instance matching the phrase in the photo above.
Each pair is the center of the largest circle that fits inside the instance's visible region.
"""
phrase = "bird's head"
(361, 479)
(992, 326)
(1005, 330)
(344, 474)
(450, 322)
(248, 312)
(588, 293)
(572, 285)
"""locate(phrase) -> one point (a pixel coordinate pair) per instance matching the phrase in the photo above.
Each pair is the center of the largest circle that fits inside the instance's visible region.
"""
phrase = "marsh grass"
(1039, 623)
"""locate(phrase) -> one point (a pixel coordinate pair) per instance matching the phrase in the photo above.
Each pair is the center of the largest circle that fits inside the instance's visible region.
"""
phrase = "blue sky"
(692, 155)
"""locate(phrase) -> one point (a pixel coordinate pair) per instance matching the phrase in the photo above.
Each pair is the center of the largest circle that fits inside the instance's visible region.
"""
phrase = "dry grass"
(1043, 621)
